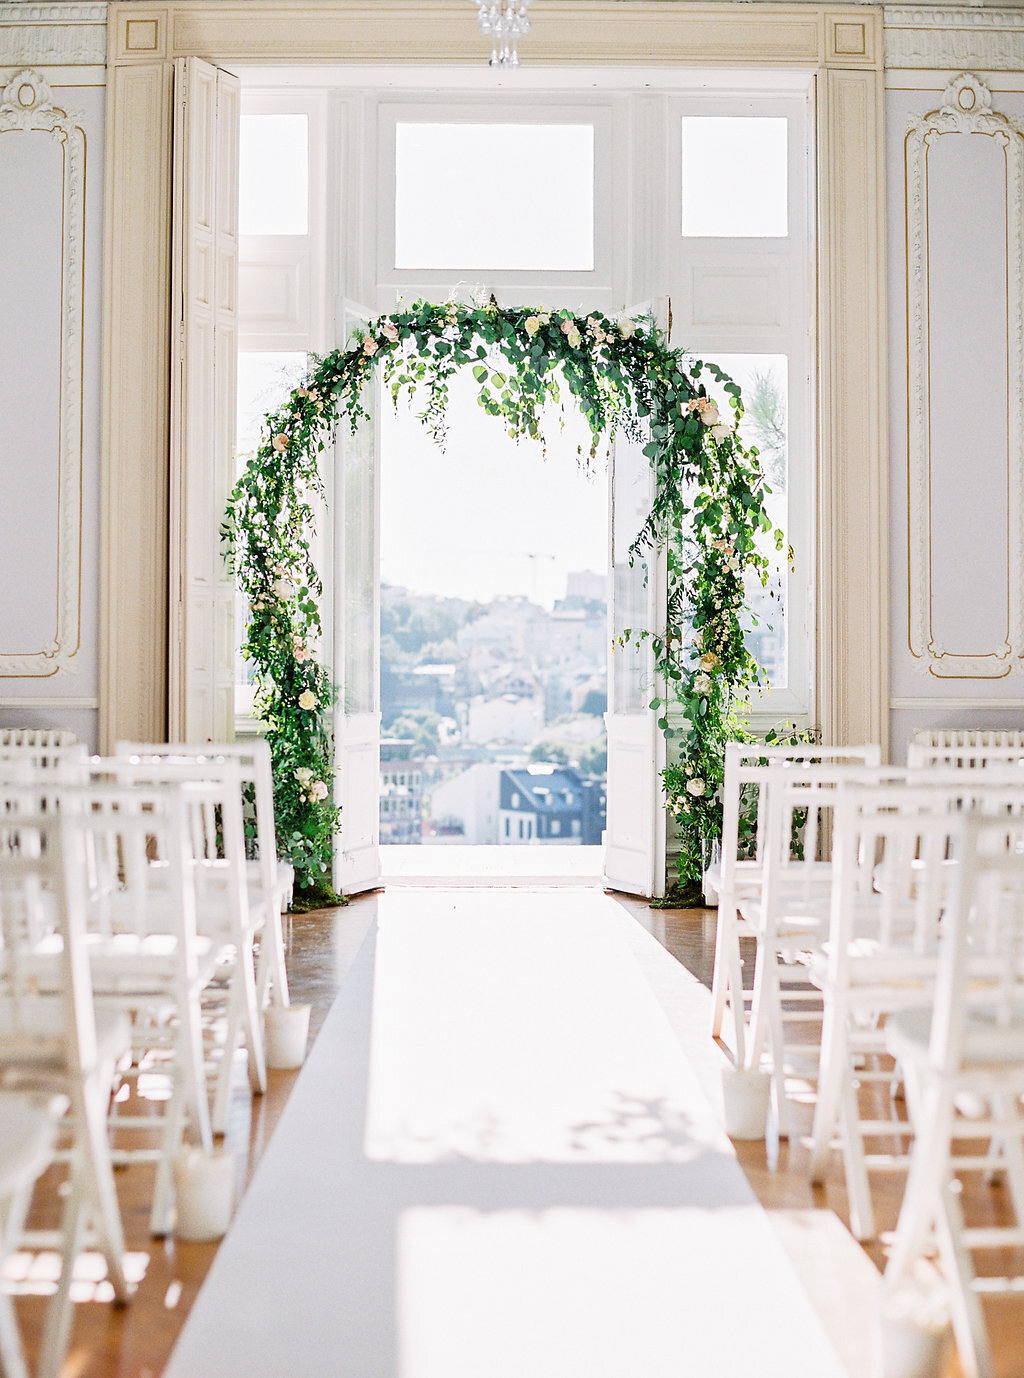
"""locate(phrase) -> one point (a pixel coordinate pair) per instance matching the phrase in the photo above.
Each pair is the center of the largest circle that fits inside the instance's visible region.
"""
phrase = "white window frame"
(790, 264)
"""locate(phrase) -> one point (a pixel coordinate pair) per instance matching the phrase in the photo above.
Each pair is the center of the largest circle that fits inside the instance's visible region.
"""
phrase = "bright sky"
(486, 516)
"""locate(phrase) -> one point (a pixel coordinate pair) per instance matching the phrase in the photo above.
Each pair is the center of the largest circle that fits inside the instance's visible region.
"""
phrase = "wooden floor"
(134, 1342)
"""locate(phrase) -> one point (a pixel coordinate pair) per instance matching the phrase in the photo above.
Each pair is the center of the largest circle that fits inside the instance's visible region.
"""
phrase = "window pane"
(734, 176)
(273, 174)
(264, 382)
(490, 196)
(763, 380)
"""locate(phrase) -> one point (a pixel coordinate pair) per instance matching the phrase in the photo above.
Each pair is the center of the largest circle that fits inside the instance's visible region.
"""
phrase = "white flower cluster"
(312, 790)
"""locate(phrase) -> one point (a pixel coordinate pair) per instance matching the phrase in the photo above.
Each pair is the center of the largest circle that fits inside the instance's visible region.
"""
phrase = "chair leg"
(972, 1344)
(92, 1166)
(272, 962)
(926, 1183)
(171, 1140)
(833, 1066)
(727, 980)
(858, 1188)
(12, 1220)
(59, 1311)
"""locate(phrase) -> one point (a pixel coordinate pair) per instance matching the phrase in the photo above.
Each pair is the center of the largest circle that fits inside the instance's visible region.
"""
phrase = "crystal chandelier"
(504, 21)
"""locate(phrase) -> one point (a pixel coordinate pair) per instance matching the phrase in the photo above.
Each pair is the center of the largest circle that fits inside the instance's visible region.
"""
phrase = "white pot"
(745, 1097)
(285, 1032)
(912, 1350)
(204, 1188)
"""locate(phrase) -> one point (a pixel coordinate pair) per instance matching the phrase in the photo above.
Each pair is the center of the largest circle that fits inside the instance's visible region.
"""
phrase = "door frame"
(842, 46)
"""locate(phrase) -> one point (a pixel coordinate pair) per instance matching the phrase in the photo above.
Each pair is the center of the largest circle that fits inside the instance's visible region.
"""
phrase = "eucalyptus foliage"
(708, 517)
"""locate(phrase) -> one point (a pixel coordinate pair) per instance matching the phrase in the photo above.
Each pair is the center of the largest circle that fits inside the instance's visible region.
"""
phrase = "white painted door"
(203, 380)
(356, 623)
(634, 840)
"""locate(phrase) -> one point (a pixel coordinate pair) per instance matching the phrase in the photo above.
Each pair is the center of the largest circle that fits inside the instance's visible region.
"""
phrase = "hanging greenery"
(708, 517)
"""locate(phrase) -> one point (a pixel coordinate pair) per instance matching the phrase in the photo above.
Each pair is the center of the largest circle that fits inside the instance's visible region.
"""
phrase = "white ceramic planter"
(286, 1032)
(913, 1350)
(745, 1097)
(204, 1188)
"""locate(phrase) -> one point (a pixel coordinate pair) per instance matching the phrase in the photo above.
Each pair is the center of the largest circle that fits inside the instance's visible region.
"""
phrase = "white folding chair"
(967, 747)
(55, 1040)
(36, 737)
(143, 852)
(151, 879)
(741, 869)
(892, 852)
(28, 1132)
(230, 908)
(270, 879)
(970, 1045)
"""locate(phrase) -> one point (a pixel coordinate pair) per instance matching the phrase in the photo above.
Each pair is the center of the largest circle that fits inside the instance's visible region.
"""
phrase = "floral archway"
(708, 515)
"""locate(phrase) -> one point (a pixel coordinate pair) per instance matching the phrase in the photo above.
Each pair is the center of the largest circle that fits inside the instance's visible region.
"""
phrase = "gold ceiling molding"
(54, 35)
(954, 38)
(26, 104)
(635, 33)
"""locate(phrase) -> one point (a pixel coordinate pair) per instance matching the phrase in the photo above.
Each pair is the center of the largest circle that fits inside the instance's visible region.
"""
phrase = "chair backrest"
(66, 762)
(211, 810)
(43, 939)
(252, 759)
(966, 747)
(34, 737)
(979, 996)
(749, 769)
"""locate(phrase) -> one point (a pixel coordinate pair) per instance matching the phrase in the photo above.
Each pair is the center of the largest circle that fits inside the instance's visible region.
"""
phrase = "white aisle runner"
(497, 1163)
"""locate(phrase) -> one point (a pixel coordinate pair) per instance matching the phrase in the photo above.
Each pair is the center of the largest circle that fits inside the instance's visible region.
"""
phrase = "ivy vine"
(709, 517)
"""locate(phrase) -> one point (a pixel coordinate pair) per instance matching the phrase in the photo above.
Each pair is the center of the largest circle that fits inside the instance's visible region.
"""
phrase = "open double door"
(634, 843)
(201, 647)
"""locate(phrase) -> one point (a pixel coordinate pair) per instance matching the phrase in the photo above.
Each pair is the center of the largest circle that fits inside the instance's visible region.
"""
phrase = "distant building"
(517, 805)
(401, 793)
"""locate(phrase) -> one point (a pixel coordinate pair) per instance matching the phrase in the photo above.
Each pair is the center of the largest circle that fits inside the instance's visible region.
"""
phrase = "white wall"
(50, 313)
(924, 49)
(956, 557)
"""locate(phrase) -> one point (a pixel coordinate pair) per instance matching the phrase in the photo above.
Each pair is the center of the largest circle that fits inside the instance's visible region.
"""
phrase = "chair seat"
(33, 1038)
(28, 1128)
(987, 1043)
(127, 964)
(872, 967)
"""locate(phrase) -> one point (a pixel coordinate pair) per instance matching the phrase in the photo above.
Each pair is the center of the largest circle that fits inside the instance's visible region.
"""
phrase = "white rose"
(574, 337)
(280, 442)
(303, 775)
(702, 683)
(627, 328)
(532, 326)
(284, 588)
(709, 415)
(318, 790)
(721, 431)
(696, 787)
(708, 661)
(307, 699)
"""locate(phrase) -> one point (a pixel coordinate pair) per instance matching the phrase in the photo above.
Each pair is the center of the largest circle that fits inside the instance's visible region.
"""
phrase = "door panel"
(634, 844)
(203, 381)
(356, 619)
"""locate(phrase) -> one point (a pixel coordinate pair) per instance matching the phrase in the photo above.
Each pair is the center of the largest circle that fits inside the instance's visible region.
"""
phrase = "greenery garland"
(708, 516)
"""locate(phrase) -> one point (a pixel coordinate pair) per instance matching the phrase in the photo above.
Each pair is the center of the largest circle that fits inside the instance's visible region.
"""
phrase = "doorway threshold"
(460, 865)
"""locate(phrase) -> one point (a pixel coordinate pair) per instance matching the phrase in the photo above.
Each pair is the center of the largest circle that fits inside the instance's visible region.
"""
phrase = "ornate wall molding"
(55, 35)
(951, 38)
(26, 104)
(966, 109)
